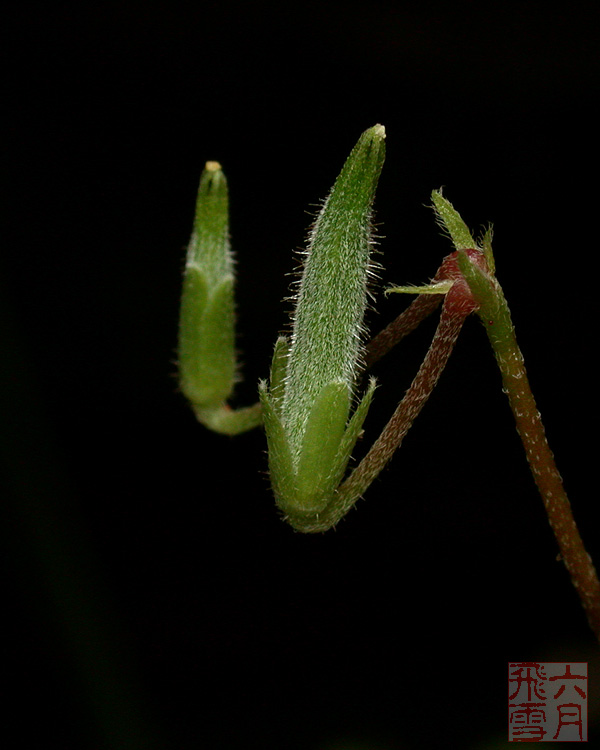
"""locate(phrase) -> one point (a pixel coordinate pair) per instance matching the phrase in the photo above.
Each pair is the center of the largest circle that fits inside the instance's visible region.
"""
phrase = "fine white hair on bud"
(206, 353)
(328, 319)
(206, 344)
(310, 432)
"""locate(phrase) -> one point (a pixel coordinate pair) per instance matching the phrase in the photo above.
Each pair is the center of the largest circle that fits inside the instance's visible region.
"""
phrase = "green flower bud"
(206, 326)
(307, 409)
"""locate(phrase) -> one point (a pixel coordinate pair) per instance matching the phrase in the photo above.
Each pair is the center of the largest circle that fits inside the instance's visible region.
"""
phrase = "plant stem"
(452, 318)
(404, 324)
(222, 418)
(496, 317)
(414, 314)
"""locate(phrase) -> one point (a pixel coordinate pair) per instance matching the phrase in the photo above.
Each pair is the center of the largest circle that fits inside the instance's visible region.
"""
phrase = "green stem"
(496, 318)
(222, 418)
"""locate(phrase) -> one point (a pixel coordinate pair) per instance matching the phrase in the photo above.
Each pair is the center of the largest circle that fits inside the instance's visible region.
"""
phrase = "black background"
(152, 596)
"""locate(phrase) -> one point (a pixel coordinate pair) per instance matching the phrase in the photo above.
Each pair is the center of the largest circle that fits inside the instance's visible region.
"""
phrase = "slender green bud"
(206, 325)
(307, 412)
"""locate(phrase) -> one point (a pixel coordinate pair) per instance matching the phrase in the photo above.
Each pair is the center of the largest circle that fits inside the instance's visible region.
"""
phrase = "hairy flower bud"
(206, 328)
(307, 408)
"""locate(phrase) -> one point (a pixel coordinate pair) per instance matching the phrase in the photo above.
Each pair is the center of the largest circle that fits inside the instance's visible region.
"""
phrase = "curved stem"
(222, 418)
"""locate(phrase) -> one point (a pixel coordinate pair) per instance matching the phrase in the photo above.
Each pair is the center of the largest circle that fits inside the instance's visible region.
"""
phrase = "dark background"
(152, 597)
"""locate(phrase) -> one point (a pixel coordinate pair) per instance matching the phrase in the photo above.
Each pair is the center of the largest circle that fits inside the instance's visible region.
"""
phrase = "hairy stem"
(454, 313)
(548, 481)
(404, 324)
(222, 418)
(497, 320)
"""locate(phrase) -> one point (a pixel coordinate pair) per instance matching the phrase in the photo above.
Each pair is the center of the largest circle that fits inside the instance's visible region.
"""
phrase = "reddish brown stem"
(493, 311)
(404, 324)
(550, 486)
(458, 304)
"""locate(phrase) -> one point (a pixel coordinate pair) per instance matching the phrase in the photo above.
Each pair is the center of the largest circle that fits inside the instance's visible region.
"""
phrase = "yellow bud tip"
(379, 130)
(212, 166)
